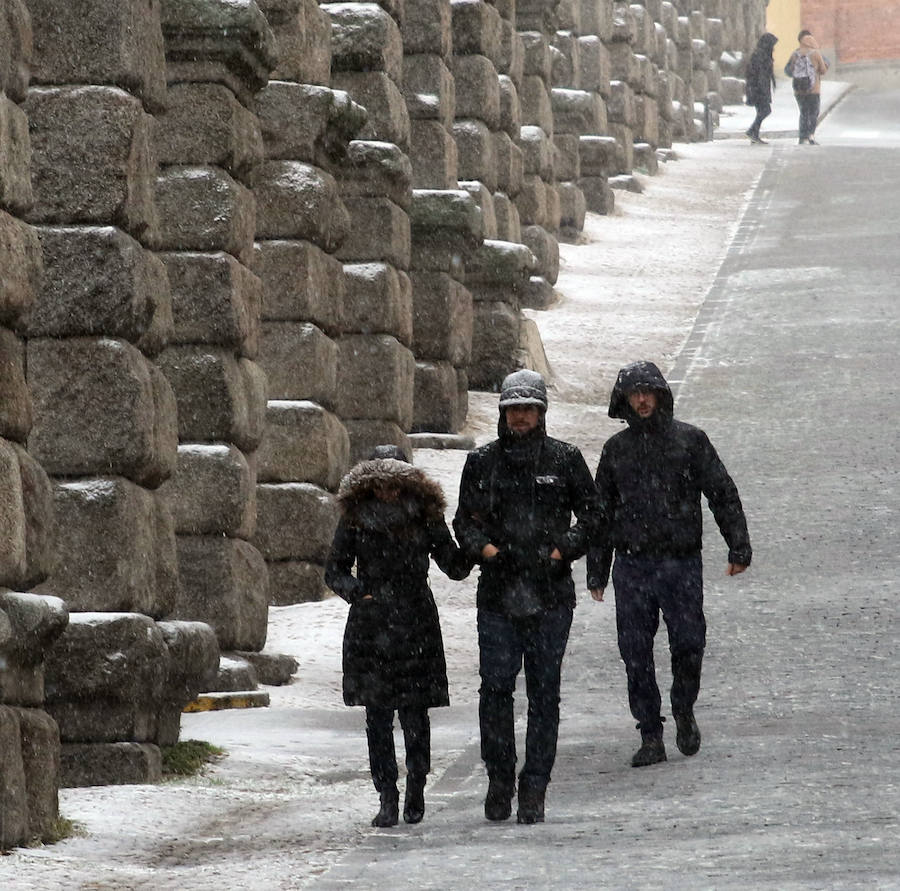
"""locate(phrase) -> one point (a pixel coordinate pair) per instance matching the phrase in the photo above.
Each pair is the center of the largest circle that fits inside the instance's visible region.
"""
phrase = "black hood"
(767, 42)
(635, 376)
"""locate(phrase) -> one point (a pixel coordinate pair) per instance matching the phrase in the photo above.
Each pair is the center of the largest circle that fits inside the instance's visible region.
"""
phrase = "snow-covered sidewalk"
(293, 798)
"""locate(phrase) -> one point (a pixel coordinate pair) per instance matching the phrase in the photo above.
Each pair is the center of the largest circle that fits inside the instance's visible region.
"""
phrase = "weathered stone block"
(15, 158)
(494, 344)
(305, 443)
(109, 764)
(573, 207)
(577, 112)
(13, 791)
(15, 399)
(365, 435)
(534, 98)
(442, 318)
(40, 761)
(476, 28)
(300, 362)
(510, 109)
(429, 89)
(537, 55)
(509, 227)
(537, 152)
(545, 248)
(475, 147)
(597, 155)
(98, 43)
(510, 164)
(218, 400)
(301, 122)
(296, 581)
(303, 40)
(624, 161)
(646, 120)
(620, 108)
(301, 283)
(564, 61)
(375, 379)
(537, 293)
(433, 155)
(381, 300)
(296, 521)
(110, 179)
(436, 407)
(97, 281)
(212, 492)
(20, 268)
(388, 118)
(500, 263)
(567, 156)
(299, 201)
(215, 300)
(594, 65)
(510, 61)
(477, 88)
(16, 37)
(205, 125)
(40, 520)
(426, 28)
(376, 170)
(531, 202)
(379, 231)
(100, 407)
(485, 201)
(224, 583)
(204, 209)
(365, 38)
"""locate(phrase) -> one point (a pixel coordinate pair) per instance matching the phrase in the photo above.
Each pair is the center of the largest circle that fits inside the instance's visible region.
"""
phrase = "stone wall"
(240, 245)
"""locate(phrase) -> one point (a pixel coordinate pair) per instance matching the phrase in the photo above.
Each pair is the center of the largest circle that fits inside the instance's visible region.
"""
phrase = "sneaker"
(687, 736)
(531, 805)
(498, 802)
(652, 751)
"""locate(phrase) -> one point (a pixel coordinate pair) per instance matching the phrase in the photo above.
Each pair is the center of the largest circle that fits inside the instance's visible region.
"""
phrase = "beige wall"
(783, 19)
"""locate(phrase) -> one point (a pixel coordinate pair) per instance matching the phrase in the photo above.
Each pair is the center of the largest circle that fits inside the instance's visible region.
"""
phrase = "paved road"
(793, 369)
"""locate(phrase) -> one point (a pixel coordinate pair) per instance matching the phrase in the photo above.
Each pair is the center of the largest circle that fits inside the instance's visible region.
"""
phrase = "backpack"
(802, 72)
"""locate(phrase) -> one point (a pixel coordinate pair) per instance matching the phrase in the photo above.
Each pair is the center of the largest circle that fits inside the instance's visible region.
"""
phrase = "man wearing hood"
(517, 498)
(650, 478)
(808, 98)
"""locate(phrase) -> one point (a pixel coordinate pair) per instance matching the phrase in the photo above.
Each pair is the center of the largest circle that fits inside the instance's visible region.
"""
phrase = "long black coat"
(393, 652)
(650, 478)
(760, 75)
(521, 496)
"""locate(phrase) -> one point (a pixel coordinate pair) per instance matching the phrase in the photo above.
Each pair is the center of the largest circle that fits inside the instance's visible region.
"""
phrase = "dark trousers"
(380, 734)
(809, 104)
(645, 588)
(504, 645)
(763, 110)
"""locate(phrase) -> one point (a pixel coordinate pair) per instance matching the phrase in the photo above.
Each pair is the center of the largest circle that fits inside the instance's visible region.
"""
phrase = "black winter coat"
(760, 74)
(520, 496)
(650, 478)
(393, 652)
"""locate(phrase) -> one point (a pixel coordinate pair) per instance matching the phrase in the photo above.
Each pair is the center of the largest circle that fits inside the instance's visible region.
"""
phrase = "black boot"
(531, 804)
(389, 812)
(687, 737)
(498, 803)
(652, 751)
(414, 803)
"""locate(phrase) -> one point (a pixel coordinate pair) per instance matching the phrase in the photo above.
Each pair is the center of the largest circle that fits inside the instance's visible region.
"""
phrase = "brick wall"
(855, 30)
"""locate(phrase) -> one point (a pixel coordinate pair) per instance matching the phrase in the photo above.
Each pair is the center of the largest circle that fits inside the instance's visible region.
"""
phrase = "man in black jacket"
(517, 497)
(650, 479)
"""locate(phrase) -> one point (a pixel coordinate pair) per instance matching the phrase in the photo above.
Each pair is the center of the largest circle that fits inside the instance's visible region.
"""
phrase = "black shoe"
(389, 812)
(755, 138)
(498, 802)
(652, 751)
(687, 737)
(414, 803)
(531, 804)
(811, 141)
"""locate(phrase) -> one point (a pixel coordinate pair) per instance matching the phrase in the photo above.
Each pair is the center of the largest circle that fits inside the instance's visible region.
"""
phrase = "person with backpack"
(391, 523)
(806, 67)
(760, 82)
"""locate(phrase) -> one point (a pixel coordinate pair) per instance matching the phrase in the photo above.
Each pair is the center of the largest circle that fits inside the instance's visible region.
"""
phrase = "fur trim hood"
(359, 486)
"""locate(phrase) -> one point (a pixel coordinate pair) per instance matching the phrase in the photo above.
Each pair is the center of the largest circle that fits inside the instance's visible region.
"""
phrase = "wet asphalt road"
(793, 370)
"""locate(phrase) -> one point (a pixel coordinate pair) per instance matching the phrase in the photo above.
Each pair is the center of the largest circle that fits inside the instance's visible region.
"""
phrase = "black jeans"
(644, 588)
(809, 105)
(504, 644)
(380, 734)
(763, 110)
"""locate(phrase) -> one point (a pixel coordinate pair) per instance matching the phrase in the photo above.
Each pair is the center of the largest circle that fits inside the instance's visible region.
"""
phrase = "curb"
(213, 702)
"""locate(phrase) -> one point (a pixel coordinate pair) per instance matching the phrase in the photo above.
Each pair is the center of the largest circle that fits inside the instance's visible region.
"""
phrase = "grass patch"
(188, 758)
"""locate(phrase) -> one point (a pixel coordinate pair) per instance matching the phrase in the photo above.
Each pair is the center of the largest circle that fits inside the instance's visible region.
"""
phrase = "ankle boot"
(652, 751)
(388, 814)
(414, 802)
(498, 803)
(531, 804)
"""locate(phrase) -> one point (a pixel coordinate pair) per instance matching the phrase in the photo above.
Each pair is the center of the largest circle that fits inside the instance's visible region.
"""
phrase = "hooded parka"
(760, 77)
(393, 650)
(650, 479)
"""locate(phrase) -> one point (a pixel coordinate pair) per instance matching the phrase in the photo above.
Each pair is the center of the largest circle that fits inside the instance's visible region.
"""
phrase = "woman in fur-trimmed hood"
(391, 524)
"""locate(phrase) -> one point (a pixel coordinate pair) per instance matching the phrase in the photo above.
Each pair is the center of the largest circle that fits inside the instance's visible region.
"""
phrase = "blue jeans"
(504, 645)
(646, 587)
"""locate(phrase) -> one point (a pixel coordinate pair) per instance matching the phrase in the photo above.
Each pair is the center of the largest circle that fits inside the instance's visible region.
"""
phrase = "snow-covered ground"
(293, 796)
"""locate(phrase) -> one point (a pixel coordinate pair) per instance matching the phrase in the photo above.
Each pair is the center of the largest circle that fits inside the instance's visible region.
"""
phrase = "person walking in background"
(806, 67)
(392, 521)
(650, 479)
(760, 81)
(517, 497)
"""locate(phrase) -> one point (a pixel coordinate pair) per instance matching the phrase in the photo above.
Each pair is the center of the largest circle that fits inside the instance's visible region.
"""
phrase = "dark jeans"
(380, 734)
(763, 110)
(809, 104)
(504, 644)
(644, 588)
